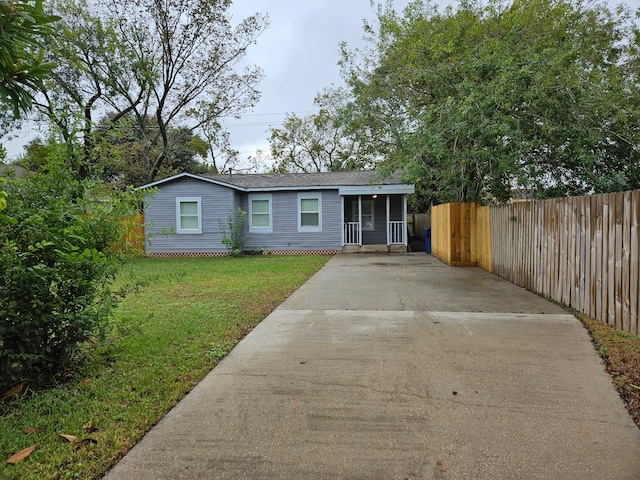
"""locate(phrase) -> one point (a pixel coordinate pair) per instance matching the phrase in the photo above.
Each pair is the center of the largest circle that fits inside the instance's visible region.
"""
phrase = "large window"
(260, 213)
(188, 215)
(367, 214)
(309, 212)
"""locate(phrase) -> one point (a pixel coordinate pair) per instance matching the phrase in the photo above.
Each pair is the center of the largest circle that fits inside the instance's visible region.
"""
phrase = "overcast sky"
(299, 54)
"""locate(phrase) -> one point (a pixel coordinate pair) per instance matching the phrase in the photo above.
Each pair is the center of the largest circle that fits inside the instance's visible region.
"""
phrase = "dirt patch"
(621, 354)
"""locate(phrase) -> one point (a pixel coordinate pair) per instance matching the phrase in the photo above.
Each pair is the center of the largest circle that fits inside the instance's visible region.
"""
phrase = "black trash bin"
(427, 240)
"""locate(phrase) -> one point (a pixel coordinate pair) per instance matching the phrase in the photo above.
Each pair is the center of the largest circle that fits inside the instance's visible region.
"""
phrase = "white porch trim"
(396, 230)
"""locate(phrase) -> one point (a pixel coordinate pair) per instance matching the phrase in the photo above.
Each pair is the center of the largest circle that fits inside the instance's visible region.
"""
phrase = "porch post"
(387, 221)
(360, 220)
(404, 220)
(342, 220)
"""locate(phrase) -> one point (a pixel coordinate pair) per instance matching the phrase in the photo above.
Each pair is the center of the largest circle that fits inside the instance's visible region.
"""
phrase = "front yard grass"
(188, 314)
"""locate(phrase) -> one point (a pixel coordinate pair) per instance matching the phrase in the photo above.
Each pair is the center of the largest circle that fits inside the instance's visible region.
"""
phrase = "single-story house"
(286, 213)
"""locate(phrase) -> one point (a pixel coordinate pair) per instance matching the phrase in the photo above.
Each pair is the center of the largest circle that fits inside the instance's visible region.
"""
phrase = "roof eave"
(398, 189)
(189, 175)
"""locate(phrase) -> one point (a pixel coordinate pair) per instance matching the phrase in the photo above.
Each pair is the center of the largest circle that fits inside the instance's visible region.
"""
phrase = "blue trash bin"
(427, 240)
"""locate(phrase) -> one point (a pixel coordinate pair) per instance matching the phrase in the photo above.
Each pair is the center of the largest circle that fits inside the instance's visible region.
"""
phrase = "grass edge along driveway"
(187, 315)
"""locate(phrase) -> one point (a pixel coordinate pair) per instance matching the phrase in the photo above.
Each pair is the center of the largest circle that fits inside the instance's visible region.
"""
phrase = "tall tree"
(163, 64)
(489, 96)
(220, 156)
(319, 142)
(97, 72)
(196, 55)
(125, 149)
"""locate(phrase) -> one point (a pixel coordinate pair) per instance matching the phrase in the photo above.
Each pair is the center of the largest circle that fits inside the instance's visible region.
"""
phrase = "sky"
(299, 54)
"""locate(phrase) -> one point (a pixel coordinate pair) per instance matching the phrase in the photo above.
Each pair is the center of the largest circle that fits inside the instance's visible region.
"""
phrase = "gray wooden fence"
(581, 251)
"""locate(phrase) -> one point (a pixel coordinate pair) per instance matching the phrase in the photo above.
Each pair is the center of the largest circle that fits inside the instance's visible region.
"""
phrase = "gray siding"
(285, 235)
(217, 202)
(160, 217)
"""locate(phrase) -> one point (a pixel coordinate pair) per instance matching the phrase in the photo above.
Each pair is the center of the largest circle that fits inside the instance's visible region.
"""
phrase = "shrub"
(57, 261)
(233, 231)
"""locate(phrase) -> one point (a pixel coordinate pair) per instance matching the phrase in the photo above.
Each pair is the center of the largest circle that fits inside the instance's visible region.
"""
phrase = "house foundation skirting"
(374, 249)
(226, 254)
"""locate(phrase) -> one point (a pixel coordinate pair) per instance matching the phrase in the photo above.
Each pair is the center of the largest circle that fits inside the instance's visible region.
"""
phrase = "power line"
(266, 114)
(253, 124)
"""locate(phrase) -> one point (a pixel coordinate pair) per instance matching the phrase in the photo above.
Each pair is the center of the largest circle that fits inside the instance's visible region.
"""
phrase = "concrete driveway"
(399, 367)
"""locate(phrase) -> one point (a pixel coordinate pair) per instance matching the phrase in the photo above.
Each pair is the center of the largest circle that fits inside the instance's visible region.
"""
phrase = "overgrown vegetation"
(57, 260)
(187, 314)
(621, 354)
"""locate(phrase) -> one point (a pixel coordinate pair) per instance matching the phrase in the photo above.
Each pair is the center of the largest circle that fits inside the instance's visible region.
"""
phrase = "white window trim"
(194, 231)
(260, 196)
(309, 196)
(373, 216)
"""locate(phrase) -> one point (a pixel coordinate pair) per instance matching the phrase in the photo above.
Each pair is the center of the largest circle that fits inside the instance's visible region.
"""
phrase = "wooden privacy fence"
(460, 234)
(581, 251)
(416, 223)
(133, 241)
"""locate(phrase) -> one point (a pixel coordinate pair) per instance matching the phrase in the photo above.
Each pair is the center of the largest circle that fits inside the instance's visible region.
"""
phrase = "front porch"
(374, 223)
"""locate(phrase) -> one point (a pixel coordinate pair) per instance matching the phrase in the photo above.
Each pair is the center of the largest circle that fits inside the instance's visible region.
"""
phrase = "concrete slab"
(345, 381)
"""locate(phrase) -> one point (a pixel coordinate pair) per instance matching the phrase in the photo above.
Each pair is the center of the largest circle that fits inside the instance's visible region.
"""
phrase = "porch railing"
(352, 233)
(397, 231)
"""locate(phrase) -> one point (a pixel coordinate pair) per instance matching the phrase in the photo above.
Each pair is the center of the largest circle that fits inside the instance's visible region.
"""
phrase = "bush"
(57, 261)
(233, 231)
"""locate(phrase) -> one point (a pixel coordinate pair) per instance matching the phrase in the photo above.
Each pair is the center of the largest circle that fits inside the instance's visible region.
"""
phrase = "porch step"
(374, 249)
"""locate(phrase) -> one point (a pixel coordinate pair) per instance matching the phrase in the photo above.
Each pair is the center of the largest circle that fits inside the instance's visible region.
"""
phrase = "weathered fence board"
(634, 263)
(582, 251)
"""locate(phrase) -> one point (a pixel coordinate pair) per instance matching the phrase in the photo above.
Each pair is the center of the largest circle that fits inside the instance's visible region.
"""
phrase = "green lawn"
(188, 313)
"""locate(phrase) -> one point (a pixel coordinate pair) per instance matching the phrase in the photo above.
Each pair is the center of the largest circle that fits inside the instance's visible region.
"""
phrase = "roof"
(351, 182)
(322, 179)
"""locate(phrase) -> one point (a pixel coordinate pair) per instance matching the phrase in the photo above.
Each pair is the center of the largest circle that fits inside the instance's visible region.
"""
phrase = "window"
(260, 213)
(367, 214)
(188, 215)
(309, 212)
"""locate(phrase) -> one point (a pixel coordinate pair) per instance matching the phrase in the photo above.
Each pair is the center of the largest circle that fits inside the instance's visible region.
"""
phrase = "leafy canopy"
(145, 69)
(23, 28)
(489, 96)
(320, 142)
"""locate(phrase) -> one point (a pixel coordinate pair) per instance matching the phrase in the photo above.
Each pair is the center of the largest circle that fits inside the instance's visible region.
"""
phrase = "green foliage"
(158, 66)
(127, 384)
(57, 259)
(23, 28)
(127, 143)
(233, 236)
(319, 142)
(490, 96)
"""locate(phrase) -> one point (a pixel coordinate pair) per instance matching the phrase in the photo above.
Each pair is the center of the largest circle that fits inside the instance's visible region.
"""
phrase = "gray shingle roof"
(324, 179)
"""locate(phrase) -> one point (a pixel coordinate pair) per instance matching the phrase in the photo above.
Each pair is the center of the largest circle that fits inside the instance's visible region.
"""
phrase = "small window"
(188, 215)
(260, 214)
(309, 212)
(367, 214)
